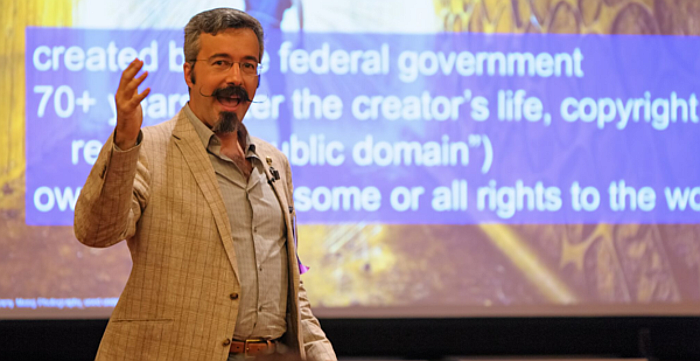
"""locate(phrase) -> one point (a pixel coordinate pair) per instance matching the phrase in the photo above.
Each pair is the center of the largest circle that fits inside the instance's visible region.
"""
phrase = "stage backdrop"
(450, 158)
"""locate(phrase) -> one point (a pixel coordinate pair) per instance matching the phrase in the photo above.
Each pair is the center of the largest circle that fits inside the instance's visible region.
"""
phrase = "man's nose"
(234, 75)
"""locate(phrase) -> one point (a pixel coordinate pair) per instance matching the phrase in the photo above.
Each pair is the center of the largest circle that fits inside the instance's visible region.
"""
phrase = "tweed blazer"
(181, 299)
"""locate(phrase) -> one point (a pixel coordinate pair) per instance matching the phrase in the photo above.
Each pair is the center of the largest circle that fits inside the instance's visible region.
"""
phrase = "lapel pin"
(275, 173)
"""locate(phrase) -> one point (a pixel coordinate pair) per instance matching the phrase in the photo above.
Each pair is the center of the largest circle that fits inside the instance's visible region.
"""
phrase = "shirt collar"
(207, 136)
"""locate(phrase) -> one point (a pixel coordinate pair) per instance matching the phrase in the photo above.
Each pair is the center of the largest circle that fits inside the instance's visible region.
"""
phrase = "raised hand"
(128, 101)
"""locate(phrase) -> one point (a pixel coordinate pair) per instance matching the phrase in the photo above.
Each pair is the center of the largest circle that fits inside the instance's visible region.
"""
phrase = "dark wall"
(662, 338)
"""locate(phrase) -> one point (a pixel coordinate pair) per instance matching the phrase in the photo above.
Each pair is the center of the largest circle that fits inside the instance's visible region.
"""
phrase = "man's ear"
(188, 70)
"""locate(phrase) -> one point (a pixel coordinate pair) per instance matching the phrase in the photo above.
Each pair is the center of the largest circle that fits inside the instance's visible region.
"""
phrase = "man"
(207, 213)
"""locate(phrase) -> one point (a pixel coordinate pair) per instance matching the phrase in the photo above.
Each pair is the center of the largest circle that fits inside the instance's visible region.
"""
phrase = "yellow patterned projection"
(14, 17)
(668, 17)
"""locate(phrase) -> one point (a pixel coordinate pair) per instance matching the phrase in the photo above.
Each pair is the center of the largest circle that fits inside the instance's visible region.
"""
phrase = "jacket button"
(226, 342)
(234, 296)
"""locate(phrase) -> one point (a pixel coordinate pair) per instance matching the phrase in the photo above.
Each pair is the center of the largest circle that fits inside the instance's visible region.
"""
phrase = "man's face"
(208, 75)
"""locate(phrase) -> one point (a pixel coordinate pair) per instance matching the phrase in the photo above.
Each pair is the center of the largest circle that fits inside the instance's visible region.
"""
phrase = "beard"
(228, 123)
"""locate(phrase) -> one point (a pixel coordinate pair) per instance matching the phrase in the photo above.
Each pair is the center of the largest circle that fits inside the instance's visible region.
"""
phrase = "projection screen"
(450, 158)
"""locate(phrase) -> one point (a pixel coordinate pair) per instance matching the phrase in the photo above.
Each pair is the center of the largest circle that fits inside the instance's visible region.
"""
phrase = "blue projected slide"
(408, 129)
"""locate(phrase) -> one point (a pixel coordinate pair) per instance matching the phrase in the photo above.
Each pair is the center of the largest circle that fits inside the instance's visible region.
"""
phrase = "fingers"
(142, 96)
(127, 93)
(130, 71)
(132, 86)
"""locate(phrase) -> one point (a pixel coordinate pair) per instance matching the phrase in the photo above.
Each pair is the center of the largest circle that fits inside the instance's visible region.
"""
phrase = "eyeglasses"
(247, 68)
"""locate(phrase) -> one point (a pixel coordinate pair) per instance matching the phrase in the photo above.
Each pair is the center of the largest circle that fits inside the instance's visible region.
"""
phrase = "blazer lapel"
(281, 192)
(198, 162)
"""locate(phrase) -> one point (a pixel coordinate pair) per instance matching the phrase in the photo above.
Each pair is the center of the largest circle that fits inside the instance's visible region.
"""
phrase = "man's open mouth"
(231, 101)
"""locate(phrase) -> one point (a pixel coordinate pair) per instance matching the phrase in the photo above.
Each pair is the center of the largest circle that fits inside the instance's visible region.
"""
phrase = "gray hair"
(214, 21)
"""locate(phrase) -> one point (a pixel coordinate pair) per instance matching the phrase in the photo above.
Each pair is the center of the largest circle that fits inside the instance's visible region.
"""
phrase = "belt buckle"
(251, 340)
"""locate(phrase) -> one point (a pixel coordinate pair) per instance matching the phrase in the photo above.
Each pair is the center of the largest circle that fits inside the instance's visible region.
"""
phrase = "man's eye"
(220, 63)
(249, 66)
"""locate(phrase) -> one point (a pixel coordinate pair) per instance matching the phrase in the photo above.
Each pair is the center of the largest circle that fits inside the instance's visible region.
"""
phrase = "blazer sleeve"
(316, 344)
(114, 195)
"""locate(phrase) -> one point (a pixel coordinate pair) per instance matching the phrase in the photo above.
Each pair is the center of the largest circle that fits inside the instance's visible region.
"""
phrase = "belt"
(252, 347)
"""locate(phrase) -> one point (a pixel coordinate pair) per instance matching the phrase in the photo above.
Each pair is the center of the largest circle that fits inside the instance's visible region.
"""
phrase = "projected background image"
(478, 242)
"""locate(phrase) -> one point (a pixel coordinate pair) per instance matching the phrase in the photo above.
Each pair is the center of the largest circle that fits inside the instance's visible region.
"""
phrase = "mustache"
(229, 91)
